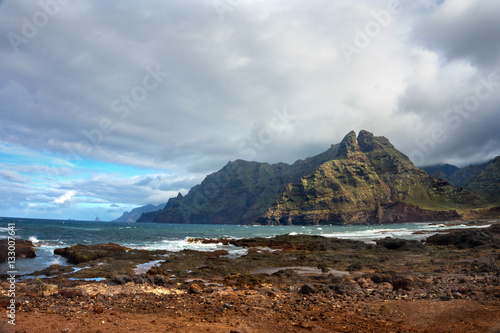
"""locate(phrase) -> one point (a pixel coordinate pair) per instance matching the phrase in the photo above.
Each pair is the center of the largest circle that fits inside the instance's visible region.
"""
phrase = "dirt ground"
(227, 309)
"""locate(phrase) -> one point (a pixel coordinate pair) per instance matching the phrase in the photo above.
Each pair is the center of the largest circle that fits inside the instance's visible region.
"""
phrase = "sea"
(48, 235)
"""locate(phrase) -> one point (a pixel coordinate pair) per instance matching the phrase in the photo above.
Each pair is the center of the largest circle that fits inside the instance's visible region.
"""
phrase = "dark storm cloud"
(464, 30)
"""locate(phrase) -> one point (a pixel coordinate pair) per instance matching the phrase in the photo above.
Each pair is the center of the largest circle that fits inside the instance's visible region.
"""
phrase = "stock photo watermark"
(453, 117)
(121, 107)
(281, 121)
(371, 30)
(11, 273)
(222, 7)
(30, 27)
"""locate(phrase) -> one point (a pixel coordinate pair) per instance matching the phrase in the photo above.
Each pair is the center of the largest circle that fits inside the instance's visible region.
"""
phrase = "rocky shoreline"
(451, 282)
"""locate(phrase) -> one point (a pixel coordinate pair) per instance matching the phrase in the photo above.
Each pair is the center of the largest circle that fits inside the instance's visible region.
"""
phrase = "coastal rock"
(23, 249)
(77, 254)
(465, 239)
(300, 242)
(401, 244)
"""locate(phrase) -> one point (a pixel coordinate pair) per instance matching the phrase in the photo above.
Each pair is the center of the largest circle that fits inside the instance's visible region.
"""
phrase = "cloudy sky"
(110, 105)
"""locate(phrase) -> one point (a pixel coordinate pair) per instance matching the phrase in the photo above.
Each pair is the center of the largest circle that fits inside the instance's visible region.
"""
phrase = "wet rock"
(160, 280)
(466, 239)
(121, 279)
(77, 254)
(401, 244)
(155, 270)
(301, 242)
(23, 249)
(216, 254)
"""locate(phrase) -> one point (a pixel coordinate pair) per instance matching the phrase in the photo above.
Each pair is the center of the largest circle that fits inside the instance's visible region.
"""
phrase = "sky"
(110, 105)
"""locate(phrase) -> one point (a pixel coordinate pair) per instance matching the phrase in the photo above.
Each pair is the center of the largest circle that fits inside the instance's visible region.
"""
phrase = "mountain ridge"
(362, 180)
(368, 182)
(482, 179)
(136, 213)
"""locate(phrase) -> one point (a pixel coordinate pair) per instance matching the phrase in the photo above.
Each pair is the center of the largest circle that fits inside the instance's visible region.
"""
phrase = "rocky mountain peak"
(348, 145)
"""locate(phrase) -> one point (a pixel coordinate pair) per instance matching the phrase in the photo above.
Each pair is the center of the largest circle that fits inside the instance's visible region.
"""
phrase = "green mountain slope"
(482, 179)
(368, 181)
(486, 182)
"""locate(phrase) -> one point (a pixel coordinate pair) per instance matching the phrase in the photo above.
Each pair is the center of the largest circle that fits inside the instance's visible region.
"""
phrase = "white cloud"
(12, 176)
(65, 199)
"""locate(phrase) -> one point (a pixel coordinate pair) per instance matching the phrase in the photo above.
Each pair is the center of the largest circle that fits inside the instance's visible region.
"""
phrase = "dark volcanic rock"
(77, 254)
(465, 239)
(402, 283)
(307, 289)
(301, 242)
(401, 244)
(23, 249)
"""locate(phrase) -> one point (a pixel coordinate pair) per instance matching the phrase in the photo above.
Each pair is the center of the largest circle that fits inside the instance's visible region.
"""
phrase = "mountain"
(486, 182)
(239, 193)
(446, 169)
(482, 179)
(368, 181)
(362, 180)
(442, 171)
(452, 174)
(136, 213)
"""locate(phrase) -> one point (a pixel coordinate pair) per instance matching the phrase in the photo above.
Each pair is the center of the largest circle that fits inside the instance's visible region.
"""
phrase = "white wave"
(189, 244)
(33, 239)
(371, 233)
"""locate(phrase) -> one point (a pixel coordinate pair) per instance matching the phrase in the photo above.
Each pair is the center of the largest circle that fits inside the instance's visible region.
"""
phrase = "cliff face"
(368, 181)
(239, 193)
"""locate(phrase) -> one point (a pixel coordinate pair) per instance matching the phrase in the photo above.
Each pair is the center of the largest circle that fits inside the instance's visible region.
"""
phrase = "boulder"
(45, 290)
(78, 254)
(401, 244)
(23, 249)
(470, 238)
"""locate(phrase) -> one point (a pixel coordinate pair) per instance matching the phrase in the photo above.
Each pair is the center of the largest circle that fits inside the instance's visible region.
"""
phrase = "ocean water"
(48, 235)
